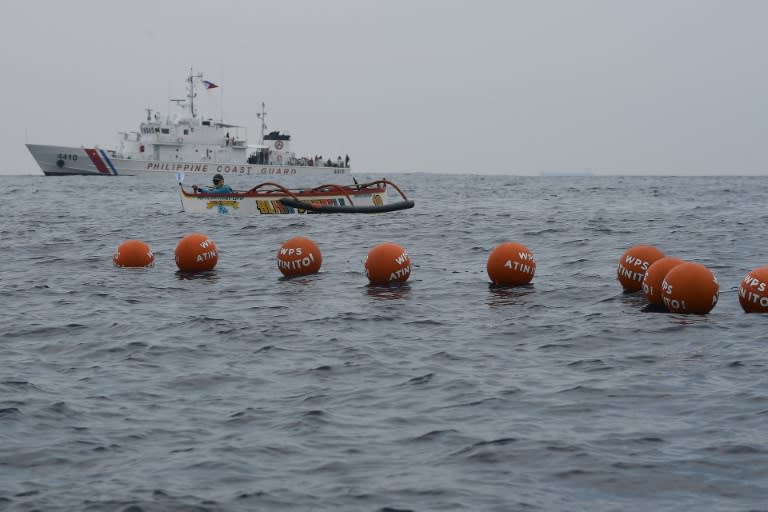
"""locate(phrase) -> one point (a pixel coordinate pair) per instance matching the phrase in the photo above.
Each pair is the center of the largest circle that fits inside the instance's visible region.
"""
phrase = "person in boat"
(218, 186)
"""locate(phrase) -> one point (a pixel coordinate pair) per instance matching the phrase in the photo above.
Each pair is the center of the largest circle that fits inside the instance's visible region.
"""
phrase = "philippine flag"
(209, 85)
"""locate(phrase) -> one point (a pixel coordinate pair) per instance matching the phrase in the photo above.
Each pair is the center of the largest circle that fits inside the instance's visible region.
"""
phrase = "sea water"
(137, 390)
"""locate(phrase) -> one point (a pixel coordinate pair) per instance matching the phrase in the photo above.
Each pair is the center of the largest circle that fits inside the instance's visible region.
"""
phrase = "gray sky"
(507, 86)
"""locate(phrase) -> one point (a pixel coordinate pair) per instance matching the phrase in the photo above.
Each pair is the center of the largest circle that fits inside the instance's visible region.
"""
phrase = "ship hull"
(65, 160)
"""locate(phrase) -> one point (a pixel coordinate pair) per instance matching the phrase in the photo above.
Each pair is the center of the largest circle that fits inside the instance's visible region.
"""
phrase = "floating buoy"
(633, 264)
(299, 256)
(690, 288)
(753, 291)
(511, 264)
(133, 253)
(195, 253)
(654, 276)
(387, 263)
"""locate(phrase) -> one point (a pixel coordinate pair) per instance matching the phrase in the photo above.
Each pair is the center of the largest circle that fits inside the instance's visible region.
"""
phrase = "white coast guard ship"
(188, 143)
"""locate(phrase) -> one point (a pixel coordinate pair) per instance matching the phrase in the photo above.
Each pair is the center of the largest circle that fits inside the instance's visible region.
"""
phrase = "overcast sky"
(507, 86)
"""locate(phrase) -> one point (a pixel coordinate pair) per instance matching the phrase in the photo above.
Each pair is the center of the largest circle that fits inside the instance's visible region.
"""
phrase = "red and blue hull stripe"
(101, 161)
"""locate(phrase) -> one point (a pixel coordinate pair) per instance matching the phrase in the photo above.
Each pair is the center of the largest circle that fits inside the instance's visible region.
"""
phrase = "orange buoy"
(753, 291)
(387, 263)
(633, 264)
(654, 276)
(511, 264)
(195, 253)
(133, 253)
(690, 288)
(299, 256)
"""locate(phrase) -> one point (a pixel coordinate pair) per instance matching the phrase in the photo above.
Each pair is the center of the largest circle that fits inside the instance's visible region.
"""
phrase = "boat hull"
(273, 199)
(65, 160)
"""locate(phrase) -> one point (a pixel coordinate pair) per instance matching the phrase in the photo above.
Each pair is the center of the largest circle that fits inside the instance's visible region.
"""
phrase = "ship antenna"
(191, 93)
(263, 116)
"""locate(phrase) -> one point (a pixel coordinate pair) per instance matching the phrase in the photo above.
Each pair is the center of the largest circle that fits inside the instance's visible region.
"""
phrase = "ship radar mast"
(263, 117)
(191, 94)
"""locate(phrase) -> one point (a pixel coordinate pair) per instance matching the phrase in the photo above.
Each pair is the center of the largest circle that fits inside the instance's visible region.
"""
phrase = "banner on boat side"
(274, 206)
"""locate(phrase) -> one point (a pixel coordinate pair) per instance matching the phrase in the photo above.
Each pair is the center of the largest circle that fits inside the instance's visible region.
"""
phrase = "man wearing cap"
(218, 186)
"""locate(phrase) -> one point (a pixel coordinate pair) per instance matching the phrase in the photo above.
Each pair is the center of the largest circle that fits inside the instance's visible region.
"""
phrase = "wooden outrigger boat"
(272, 198)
